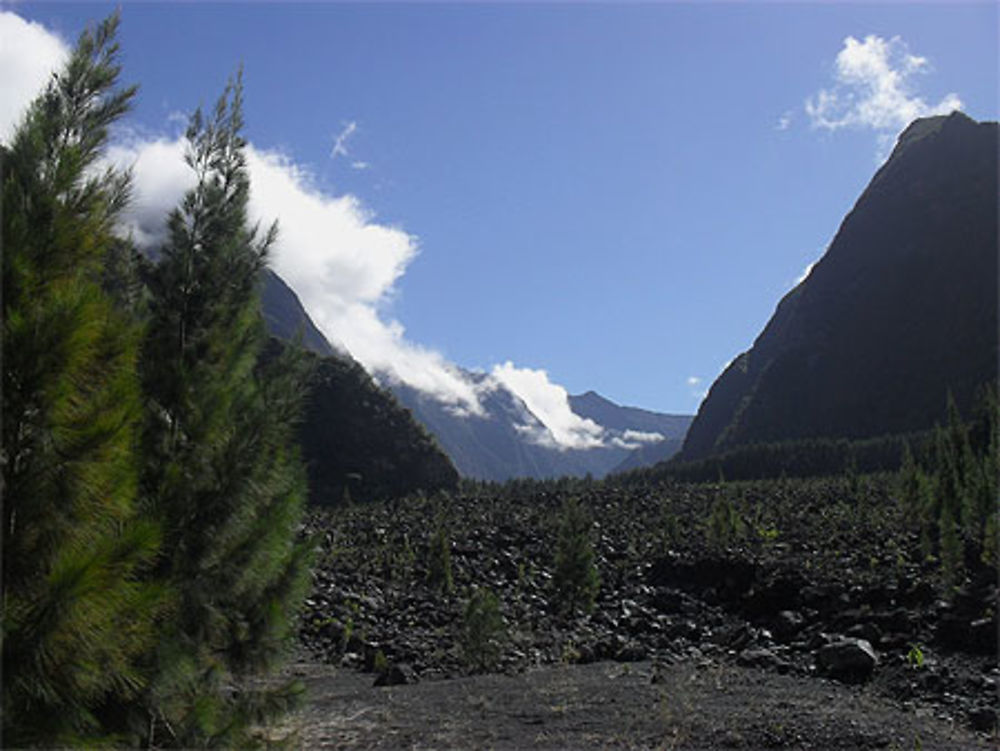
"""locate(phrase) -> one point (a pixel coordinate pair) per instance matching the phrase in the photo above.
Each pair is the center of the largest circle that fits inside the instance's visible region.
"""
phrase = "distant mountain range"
(900, 311)
(504, 441)
(351, 422)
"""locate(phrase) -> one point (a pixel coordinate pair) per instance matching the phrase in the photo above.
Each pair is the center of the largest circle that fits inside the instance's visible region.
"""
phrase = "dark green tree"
(76, 611)
(222, 475)
(575, 580)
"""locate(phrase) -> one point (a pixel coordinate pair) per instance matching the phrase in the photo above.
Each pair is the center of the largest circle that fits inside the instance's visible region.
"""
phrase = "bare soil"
(642, 705)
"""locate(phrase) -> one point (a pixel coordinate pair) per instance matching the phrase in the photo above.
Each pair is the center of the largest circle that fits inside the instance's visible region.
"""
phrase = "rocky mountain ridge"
(509, 441)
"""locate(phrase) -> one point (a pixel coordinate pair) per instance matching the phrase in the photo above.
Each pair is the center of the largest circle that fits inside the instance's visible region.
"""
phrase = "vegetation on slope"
(359, 444)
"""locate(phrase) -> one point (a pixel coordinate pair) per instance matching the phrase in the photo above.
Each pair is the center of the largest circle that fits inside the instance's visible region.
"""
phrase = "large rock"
(847, 659)
(397, 675)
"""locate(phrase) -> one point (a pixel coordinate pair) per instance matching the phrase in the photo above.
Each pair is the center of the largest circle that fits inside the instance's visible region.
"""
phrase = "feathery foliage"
(222, 475)
(76, 610)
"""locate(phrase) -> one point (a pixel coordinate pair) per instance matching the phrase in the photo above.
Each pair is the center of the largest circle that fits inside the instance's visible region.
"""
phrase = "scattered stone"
(632, 651)
(787, 624)
(983, 719)
(761, 658)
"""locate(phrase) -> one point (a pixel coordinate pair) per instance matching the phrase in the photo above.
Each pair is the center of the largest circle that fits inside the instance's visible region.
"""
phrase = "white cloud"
(344, 266)
(873, 88)
(633, 439)
(549, 402)
(29, 54)
(340, 140)
(341, 261)
(639, 436)
(359, 165)
(785, 121)
(697, 393)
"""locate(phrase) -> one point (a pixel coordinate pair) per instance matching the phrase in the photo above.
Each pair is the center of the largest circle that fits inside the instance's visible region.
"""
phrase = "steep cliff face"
(900, 310)
(354, 435)
(286, 318)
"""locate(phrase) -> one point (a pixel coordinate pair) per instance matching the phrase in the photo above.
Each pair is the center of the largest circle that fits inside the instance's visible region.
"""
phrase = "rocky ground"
(810, 618)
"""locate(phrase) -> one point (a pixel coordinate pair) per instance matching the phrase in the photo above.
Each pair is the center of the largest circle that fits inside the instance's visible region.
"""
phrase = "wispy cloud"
(874, 88)
(633, 439)
(29, 54)
(785, 121)
(340, 140)
(696, 389)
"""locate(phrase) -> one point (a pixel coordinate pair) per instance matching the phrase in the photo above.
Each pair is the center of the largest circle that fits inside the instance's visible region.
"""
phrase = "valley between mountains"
(786, 581)
(221, 530)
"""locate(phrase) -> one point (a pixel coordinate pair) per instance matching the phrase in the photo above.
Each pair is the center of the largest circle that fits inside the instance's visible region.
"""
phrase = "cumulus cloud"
(344, 266)
(874, 88)
(29, 54)
(340, 259)
(549, 402)
(785, 121)
(693, 380)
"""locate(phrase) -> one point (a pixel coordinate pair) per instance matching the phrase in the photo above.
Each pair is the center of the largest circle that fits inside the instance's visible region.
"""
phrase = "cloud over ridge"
(341, 260)
(873, 88)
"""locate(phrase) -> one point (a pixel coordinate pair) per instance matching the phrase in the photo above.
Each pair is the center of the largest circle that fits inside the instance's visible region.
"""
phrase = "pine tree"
(76, 613)
(222, 475)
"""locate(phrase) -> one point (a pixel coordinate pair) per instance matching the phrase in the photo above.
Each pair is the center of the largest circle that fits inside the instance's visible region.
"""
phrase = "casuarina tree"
(78, 608)
(222, 475)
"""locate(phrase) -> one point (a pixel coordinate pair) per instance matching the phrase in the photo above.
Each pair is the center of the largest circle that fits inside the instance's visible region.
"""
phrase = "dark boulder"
(850, 660)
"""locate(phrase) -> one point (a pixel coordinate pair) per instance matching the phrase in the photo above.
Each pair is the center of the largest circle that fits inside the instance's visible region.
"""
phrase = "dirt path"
(614, 705)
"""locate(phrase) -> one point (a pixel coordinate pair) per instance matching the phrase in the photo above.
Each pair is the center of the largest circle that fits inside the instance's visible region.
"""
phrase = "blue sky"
(615, 194)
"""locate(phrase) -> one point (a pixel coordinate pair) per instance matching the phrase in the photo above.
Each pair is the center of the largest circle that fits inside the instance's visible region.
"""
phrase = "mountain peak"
(955, 125)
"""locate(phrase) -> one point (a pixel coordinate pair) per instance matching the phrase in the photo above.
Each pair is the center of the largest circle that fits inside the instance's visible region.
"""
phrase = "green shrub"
(576, 581)
(483, 630)
(439, 560)
(724, 526)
